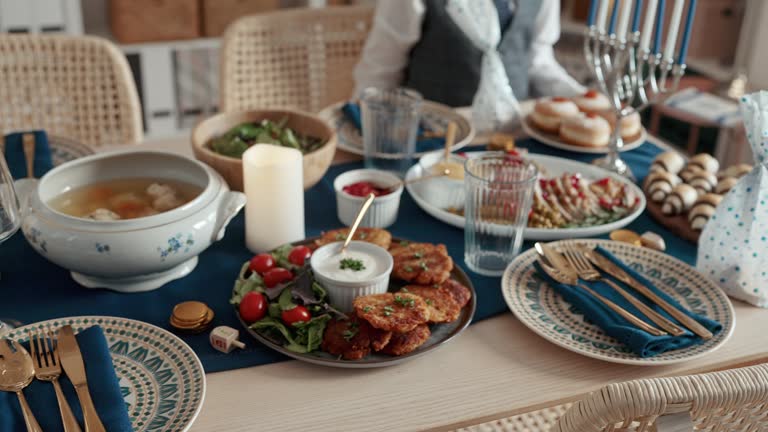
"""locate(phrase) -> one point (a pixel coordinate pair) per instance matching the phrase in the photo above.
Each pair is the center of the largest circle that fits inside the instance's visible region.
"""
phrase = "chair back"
(731, 400)
(300, 58)
(78, 87)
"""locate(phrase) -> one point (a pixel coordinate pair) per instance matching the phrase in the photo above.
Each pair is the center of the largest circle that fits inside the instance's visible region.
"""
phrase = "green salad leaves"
(236, 141)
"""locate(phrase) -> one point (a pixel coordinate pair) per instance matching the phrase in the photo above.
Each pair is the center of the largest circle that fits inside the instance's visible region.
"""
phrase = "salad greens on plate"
(277, 296)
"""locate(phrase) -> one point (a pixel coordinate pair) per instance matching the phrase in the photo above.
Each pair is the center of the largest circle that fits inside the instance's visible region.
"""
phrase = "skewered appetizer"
(570, 201)
(703, 209)
(548, 113)
(586, 130)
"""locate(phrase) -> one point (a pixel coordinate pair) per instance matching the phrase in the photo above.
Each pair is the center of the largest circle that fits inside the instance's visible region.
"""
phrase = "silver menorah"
(632, 78)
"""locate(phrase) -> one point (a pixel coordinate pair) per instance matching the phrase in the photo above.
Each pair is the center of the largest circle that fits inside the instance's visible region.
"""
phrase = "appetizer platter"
(571, 199)
(683, 194)
(433, 115)
(540, 308)
(315, 303)
(578, 124)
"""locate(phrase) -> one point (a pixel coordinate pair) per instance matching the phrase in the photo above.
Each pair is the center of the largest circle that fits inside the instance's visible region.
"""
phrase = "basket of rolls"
(683, 194)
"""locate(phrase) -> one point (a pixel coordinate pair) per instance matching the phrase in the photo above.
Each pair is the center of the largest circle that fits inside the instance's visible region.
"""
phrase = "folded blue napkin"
(640, 342)
(352, 113)
(16, 158)
(102, 383)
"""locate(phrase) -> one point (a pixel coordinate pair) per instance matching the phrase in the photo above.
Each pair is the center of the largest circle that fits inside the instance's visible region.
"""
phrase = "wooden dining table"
(496, 369)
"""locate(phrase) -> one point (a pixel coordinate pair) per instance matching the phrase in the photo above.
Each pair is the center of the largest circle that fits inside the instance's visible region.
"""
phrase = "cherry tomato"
(299, 255)
(297, 314)
(262, 263)
(253, 307)
(276, 276)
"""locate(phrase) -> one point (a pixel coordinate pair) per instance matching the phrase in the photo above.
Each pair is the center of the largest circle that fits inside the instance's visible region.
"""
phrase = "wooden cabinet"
(134, 21)
(218, 14)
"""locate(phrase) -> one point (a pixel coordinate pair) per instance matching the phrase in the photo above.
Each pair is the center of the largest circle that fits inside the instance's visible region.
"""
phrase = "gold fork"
(587, 272)
(45, 353)
(571, 279)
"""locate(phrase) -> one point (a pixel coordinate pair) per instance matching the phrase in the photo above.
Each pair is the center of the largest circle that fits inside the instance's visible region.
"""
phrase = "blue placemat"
(32, 289)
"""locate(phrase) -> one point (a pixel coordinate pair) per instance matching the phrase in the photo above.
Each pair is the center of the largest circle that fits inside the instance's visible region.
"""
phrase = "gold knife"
(554, 258)
(72, 361)
(612, 269)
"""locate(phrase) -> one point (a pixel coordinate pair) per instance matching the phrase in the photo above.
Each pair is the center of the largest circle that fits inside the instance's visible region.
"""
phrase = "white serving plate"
(540, 308)
(435, 115)
(162, 377)
(553, 140)
(554, 166)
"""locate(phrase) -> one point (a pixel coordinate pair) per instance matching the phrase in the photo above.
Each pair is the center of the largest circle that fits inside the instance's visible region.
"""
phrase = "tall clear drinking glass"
(10, 218)
(390, 121)
(498, 195)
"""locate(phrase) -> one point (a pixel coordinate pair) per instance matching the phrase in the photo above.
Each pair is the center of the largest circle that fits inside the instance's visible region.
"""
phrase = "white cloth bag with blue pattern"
(494, 106)
(733, 247)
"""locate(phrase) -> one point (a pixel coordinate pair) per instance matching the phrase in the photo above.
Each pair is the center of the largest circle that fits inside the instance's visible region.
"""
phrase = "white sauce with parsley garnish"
(351, 266)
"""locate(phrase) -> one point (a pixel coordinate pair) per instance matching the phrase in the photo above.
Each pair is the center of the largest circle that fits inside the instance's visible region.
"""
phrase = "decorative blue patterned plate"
(146, 359)
(542, 310)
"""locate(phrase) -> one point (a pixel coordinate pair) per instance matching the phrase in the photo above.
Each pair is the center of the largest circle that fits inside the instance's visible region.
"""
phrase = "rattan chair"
(79, 87)
(300, 58)
(726, 401)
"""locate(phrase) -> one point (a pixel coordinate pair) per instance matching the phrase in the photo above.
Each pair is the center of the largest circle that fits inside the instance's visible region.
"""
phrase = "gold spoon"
(450, 137)
(29, 153)
(358, 219)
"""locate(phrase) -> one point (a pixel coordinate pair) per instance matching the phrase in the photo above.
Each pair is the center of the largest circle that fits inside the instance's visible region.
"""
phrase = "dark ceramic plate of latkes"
(441, 333)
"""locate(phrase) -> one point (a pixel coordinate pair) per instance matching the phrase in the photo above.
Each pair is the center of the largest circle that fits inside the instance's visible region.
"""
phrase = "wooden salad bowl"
(315, 163)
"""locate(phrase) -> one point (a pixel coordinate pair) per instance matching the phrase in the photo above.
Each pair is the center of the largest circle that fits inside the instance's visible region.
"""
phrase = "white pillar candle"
(650, 15)
(274, 191)
(624, 14)
(674, 27)
(602, 16)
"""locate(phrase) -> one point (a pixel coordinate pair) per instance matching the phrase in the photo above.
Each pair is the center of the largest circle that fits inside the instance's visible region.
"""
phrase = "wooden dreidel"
(224, 339)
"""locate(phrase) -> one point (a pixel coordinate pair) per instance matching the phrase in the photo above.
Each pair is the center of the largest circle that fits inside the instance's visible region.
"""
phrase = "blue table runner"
(32, 289)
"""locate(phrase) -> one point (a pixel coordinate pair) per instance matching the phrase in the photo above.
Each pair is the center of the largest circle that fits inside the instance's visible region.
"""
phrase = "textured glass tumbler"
(498, 196)
(390, 121)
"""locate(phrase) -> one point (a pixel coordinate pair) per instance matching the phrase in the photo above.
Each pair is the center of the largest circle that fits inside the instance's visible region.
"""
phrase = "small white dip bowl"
(343, 286)
(129, 255)
(383, 211)
(441, 192)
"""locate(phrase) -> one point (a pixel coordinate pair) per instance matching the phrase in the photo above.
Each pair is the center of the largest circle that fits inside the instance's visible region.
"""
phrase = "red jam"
(592, 115)
(364, 188)
(591, 94)
(559, 99)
